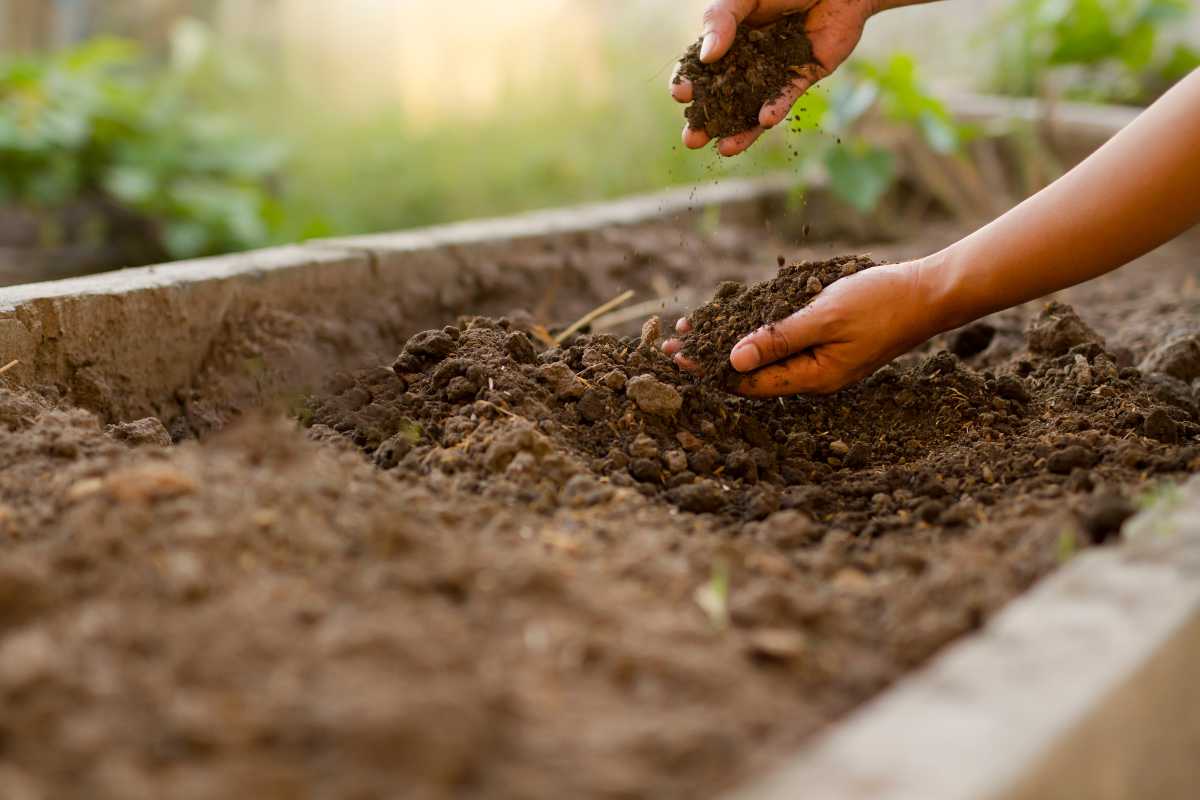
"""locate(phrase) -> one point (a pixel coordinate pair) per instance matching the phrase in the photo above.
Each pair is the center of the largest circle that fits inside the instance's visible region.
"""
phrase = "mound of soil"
(500, 569)
(737, 310)
(729, 94)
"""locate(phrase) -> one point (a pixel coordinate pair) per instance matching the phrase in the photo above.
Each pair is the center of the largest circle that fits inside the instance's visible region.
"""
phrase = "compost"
(729, 94)
(493, 566)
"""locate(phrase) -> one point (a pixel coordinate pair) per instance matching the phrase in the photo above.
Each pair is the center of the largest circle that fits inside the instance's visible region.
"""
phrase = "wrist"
(940, 291)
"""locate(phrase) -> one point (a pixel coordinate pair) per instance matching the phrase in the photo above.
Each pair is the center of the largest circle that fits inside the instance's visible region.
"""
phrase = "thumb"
(721, 20)
(778, 340)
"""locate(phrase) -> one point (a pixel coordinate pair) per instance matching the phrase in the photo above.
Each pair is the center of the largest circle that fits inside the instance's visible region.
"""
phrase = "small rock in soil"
(653, 396)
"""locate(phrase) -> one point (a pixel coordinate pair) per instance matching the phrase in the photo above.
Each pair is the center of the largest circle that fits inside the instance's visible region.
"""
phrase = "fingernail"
(708, 45)
(745, 356)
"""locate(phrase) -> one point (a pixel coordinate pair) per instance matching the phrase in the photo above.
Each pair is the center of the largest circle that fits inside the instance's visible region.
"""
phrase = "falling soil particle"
(729, 94)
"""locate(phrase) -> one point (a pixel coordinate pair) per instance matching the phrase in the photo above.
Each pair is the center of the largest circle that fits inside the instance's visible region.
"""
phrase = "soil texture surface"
(730, 93)
(492, 567)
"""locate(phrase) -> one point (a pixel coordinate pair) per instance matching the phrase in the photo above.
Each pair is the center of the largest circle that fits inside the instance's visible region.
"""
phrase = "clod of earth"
(729, 94)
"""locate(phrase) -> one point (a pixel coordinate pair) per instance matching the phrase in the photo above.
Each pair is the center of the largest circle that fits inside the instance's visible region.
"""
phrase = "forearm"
(1139, 190)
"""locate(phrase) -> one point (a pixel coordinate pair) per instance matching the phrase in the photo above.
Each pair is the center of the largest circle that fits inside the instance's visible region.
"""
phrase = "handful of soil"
(729, 94)
(737, 310)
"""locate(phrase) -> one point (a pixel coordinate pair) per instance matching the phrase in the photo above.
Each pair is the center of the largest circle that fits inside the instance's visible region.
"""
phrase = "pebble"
(814, 285)
(688, 441)
(838, 447)
(653, 396)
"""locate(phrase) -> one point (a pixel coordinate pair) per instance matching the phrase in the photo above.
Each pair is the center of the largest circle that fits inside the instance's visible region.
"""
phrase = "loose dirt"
(729, 94)
(737, 310)
(493, 568)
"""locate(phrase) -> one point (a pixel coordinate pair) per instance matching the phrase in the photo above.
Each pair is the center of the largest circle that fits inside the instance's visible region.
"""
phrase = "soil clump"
(737, 310)
(729, 94)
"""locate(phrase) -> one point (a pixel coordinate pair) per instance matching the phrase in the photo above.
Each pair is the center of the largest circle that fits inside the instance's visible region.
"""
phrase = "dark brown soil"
(512, 571)
(729, 94)
(737, 310)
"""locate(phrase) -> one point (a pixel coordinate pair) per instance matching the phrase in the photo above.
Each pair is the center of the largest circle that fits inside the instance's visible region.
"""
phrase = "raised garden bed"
(507, 569)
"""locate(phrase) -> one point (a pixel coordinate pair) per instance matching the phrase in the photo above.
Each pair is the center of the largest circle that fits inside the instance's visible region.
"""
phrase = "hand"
(852, 328)
(834, 26)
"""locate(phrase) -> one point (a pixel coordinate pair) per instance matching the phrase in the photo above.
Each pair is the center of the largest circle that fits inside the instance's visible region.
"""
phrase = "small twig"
(641, 310)
(9, 365)
(594, 314)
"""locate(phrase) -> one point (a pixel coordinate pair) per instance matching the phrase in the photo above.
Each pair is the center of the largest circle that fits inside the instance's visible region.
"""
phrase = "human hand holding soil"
(854, 326)
(834, 28)
(1135, 193)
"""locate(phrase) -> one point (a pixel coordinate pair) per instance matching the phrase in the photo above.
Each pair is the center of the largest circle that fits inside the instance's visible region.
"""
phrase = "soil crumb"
(729, 94)
(737, 310)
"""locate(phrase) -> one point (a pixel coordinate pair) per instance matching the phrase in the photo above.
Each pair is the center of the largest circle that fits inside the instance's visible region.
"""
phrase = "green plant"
(861, 172)
(1102, 50)
(105, 122)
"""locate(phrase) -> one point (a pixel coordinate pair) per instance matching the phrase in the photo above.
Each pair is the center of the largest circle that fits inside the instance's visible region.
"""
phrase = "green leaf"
(1137, 47)
(860, 175)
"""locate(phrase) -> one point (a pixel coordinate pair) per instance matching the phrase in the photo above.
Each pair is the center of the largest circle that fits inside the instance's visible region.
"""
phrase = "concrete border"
(138, 342)
(1083, 687)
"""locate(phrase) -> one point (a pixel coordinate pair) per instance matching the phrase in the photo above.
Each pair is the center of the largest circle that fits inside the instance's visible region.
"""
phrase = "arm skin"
(1138, 191)
(834, 26)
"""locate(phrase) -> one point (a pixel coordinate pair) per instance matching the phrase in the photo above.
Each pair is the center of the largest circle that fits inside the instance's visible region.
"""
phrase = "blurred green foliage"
(861, 172)
(1102, 50)
(105, 121)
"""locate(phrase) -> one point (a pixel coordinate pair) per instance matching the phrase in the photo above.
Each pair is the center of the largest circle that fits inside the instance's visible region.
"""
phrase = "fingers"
(777, 110)
(686, 364)
(681, 89)
(802, 374)
(672, 346)
(777, 341)
(721, 20)
(694, 139)
(683, 326)
(732, 145)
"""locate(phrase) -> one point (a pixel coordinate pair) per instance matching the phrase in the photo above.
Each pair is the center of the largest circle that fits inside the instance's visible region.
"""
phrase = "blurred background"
(135, 131)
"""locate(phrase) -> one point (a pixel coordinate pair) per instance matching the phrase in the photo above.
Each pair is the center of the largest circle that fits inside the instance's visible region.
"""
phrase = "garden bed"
(494, 567)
